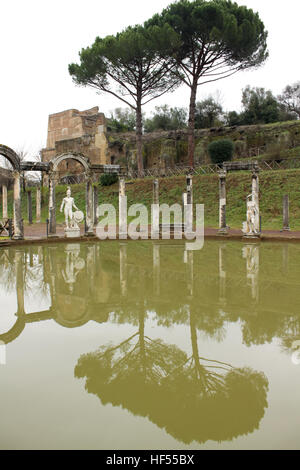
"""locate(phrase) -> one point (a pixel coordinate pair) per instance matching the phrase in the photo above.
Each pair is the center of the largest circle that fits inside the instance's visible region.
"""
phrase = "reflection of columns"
(18, 222)
(255, 199)
(285, 258)
(4, 201)
(156, 269)
(155, 211)
(190, 274)
(53, 274)
(38, 200)
(89, 208)
(122, 209)
(91, 266)
(123, 268)
(95, 203)
(222, 275)
(19, 263)
(189, 205)
(251, 254)
(52, 209)
(286, 214)
(222, 203)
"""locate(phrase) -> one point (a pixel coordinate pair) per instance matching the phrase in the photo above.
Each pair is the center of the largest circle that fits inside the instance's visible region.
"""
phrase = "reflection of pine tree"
(206, 375)
(192, 398)
(130, 373)
(211, 400)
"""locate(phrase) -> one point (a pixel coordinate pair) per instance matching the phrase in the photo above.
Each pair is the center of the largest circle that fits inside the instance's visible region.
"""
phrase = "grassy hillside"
(273, 186)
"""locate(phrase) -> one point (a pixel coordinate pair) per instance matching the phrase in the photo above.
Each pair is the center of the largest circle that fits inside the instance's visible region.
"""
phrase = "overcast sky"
(38, 39)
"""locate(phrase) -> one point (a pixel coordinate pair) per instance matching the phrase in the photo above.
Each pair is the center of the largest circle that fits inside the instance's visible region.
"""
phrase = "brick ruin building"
(79, 132)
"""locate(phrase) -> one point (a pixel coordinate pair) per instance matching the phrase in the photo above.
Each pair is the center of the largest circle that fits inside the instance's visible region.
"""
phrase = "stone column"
(29, 207)
(95, 203)
(188, 207)
(18, 221)
(38, 200)
(123, 268)
(155, 211)
(156, 269)
(222, 203)
(52, 208)
(4, 202)
(286, 214)
(255, 199)
(122, 210)
(89, 208)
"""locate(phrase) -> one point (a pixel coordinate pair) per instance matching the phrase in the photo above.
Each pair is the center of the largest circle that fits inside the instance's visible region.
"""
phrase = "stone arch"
(78, 157)
(14, 332)
(53, 170)
(11, 156)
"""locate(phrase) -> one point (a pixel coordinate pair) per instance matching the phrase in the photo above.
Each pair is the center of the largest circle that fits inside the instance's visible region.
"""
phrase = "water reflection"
(190, 396)
(89, 282)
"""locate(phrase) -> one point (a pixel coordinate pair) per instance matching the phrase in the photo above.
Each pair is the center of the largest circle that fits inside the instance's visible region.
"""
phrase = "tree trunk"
(139, 137)
(191, 125)
(142, 344)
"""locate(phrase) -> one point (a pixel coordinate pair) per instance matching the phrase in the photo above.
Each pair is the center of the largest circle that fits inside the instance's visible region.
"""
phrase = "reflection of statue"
(74, 264)
(68, 203)
(249, 227)
(251, 254)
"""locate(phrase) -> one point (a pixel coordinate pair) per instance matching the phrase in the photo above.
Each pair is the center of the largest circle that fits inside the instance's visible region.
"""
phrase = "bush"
(108, 180)
(221, 150)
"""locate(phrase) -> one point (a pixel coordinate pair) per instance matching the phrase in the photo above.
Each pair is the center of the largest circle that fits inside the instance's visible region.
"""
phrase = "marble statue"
(68, 203)
(249, 227)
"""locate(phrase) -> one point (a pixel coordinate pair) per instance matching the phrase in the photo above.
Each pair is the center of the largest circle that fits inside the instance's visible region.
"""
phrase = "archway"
(53, 177)
(14, 160)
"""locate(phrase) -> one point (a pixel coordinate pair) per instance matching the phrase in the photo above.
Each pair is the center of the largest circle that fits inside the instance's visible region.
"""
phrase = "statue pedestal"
(72, 232)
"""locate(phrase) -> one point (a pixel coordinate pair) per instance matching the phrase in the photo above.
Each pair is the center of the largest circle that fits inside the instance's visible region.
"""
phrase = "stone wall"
(79, 132)
(163, 149)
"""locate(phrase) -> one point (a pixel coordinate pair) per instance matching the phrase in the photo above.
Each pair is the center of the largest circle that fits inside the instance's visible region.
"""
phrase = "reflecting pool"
(144, 345)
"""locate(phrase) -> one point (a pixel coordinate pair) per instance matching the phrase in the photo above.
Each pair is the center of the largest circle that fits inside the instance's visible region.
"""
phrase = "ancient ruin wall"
(79, 132)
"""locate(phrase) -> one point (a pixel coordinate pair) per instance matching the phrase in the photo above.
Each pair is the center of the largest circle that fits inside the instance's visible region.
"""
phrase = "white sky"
(38, 39)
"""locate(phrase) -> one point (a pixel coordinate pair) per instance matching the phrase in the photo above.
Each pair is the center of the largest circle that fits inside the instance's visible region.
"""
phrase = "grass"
(273, 186)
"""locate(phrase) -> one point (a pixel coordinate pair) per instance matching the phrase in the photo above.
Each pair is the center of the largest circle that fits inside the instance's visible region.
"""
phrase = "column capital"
(53, 175)
(16, 173)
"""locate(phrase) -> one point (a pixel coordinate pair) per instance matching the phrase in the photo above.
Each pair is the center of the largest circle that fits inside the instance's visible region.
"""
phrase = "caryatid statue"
(68, 203)
(249, 227)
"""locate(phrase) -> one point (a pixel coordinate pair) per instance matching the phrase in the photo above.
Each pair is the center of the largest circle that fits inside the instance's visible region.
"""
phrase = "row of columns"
(187, 203)
(17, 214)
(223, 228)
(92, 203)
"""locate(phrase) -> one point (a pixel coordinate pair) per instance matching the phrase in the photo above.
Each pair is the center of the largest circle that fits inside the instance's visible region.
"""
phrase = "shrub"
(221, 150)
(108, 179)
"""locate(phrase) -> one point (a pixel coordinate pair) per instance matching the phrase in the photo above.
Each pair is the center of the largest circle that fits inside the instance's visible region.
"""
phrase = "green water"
(144, 345)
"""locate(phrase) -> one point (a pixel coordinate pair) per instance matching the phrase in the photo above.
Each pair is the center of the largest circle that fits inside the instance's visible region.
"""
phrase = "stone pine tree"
(218, 38)
(132, 67)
